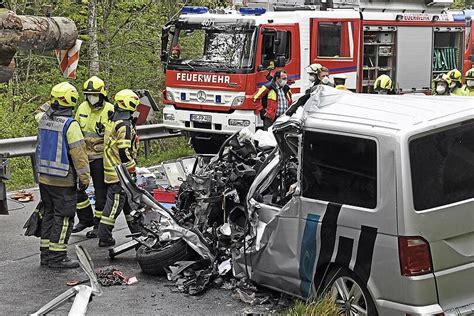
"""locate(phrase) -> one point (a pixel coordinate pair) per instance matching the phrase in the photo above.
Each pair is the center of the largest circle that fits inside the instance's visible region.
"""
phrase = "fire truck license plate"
(201, 118)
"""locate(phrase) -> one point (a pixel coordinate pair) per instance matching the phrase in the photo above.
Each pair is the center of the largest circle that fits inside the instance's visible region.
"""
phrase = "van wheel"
(352, 297)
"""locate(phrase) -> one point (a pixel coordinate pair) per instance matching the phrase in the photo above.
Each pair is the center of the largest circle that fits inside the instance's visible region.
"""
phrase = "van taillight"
(415, 256)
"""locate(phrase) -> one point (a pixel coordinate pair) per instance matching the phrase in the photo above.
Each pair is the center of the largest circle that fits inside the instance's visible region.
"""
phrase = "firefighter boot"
(44, 258)
(93, 233)
(64, 263)
(80, 227)
(106, 242)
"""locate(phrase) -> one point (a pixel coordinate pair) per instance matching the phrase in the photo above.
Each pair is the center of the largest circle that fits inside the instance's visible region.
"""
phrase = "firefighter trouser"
(59, 209)
(116, 202)
(84, 207)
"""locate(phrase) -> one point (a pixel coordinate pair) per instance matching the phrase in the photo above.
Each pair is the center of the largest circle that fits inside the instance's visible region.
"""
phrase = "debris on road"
(110, 276)
(82, 293)
(23, 196)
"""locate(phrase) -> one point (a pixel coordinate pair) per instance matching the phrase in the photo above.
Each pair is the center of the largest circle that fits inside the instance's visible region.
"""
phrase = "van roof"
(395, 112)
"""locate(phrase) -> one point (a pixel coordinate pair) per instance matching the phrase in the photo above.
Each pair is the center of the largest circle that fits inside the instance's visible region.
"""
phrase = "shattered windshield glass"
(223, 46)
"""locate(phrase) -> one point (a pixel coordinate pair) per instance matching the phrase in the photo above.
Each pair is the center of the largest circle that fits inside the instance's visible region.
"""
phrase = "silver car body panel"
(299, 241)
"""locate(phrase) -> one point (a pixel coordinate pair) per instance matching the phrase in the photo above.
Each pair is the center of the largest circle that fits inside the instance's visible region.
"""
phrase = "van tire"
(154, 261)
(343, 275)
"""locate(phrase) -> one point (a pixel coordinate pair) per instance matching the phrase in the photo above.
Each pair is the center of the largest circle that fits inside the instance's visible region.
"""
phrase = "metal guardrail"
(25, 146)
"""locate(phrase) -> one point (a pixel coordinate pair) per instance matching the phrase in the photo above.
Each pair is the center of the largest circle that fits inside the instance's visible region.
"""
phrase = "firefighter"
(383, 84)
(121, 145)
(93, 116)
(441, 85)
(176, 51)
(340, 81)
(276, 98)
(63, 169)
(318, 74)
(455, 86)
(468, 88)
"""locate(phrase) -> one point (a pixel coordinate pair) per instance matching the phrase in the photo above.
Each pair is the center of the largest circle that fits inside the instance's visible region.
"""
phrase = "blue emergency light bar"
(194, 10)
(252, 11)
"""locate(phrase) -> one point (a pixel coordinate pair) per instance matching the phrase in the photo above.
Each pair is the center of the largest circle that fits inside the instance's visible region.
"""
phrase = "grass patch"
(160, 150)
(325, 306)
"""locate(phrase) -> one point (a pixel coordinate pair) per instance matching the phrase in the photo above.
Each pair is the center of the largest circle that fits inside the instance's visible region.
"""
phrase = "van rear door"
(442, 173)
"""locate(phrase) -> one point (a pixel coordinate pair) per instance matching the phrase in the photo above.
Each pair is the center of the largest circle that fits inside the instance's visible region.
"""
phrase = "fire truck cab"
(215, 60)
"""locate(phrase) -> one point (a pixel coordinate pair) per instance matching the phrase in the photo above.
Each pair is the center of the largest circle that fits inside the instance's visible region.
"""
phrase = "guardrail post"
(4, 175)
(146, 148)
(33, 166)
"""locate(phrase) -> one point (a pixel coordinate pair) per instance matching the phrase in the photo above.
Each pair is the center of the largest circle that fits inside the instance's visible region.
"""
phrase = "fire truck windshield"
(225, 47)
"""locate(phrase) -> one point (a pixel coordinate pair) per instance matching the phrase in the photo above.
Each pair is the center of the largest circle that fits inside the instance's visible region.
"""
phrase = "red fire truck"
(215, 60)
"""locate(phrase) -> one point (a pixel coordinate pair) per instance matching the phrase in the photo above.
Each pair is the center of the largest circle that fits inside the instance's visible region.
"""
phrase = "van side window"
(442, 170)
(333, 39)
(275, 44)
(340, 169)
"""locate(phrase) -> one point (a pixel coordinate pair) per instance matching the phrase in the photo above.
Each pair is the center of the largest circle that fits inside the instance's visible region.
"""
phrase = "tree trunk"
(31, 33)
(93, 45)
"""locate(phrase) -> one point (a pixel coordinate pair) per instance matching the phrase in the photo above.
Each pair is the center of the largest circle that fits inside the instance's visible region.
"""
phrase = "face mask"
(470, 83)
(312, 78)
(440, 89)
(325, 80)
(282, 83)
(93, 99)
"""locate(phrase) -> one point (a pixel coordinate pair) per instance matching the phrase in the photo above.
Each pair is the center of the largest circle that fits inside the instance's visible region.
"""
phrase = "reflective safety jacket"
(341, 87)
(121, 146)
(60, 152)
(93, 121)
(468, 91)
(458, 91)
(269, 96)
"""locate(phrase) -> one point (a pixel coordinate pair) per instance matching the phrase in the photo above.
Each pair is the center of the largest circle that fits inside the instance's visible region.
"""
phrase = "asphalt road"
(25, 286)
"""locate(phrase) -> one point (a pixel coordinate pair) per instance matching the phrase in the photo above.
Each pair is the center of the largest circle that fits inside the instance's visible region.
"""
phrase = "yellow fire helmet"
(469, 74)
(127, 100)
(94, 85)
(383, 82)
(65, 94)
(455, 75)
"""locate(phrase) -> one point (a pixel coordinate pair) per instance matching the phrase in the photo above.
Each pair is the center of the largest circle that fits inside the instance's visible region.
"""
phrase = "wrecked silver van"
(369, 197)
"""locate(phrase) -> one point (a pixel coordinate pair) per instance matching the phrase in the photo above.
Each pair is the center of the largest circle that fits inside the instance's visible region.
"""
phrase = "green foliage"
(322, 307)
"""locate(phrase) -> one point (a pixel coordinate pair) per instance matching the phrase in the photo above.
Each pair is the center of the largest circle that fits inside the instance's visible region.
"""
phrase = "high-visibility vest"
(93, 122)
(52, 149)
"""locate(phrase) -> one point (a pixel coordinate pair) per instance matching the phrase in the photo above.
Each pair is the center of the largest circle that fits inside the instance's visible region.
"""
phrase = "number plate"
(201, 118)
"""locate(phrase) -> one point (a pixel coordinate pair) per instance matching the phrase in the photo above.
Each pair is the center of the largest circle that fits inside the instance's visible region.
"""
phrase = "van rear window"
(442, 166)
(340, 169)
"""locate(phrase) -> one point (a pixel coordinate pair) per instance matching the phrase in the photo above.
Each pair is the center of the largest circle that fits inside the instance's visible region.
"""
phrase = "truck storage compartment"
(379, 54)
(413, 66)
(447, 52)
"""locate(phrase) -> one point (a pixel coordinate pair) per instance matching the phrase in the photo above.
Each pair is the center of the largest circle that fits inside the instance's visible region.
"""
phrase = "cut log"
(42, 34)
(31, 32)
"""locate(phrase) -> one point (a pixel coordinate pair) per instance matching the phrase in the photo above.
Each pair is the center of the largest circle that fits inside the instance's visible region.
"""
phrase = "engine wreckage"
(225, 215)
(209, 229)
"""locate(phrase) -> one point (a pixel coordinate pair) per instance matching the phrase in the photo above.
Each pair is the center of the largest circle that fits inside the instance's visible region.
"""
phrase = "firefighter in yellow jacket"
(468, 88)
(93, 116)
(63, 169)
(455, 84)
(121, 146)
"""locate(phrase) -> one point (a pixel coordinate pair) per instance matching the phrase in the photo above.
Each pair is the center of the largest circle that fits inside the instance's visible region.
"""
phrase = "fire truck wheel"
(154, 261)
